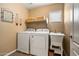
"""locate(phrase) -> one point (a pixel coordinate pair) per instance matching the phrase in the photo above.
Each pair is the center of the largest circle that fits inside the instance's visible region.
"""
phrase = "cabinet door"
(38, 45)
(23, 42)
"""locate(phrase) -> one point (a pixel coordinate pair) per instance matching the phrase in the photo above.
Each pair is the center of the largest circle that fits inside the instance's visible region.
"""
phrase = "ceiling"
(34, 5)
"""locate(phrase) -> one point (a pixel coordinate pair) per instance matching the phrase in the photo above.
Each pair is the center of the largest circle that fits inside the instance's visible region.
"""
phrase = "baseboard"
(10, 53)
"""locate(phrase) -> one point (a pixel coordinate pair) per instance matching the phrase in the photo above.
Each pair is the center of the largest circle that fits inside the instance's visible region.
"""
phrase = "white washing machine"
(24, 41)
(35, 43)
(39, 43)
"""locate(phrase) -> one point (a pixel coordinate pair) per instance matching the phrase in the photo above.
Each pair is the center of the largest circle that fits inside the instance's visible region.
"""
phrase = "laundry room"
(39, 29)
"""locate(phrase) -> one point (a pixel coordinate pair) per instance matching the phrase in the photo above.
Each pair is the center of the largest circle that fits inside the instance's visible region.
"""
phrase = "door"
(68, 28)
(75, 44)
(37, 45)
(76, 23)
(71, 21)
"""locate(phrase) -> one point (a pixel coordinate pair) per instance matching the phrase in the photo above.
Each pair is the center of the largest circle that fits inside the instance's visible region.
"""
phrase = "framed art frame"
(16, 19)
(7, 16)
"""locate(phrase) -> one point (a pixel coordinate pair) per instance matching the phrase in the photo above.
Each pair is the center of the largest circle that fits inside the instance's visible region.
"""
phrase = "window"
(55, 16)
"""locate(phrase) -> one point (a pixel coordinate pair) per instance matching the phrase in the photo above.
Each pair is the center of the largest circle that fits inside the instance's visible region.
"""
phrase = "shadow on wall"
(66, 45)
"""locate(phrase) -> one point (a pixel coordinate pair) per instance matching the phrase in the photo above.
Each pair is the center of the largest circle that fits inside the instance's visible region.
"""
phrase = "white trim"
(10, 53)
(75, 53)
(76, 44)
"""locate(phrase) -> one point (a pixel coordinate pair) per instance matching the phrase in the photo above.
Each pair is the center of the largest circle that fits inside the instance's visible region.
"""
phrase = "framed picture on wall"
(16, 19)
(7, 16)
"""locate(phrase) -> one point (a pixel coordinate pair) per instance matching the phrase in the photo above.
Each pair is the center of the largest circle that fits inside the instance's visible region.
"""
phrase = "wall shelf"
(36, 19)
(29, 21)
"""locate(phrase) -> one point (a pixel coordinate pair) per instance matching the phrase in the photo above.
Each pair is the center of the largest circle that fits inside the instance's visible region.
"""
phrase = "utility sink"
(56, 37)
(58, 34)
(56, 42)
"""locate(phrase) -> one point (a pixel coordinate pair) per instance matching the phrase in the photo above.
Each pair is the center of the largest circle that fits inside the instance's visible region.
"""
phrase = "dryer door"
(38, 45)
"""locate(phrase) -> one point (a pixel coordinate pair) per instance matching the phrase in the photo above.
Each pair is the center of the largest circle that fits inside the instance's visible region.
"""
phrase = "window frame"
(59, 20)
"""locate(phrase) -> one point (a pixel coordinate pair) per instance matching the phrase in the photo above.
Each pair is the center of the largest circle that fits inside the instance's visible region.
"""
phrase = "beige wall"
(67, 27)
(8, 30)
(44, 11)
